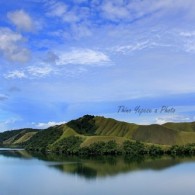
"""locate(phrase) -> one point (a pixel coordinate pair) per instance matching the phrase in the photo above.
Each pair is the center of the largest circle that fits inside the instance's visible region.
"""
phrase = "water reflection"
(98, 167)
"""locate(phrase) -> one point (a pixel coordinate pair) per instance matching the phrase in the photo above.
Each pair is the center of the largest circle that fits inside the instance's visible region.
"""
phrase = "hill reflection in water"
(101, 166)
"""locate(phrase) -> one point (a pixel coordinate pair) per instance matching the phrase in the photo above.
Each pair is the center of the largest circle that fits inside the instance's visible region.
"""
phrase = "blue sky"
(61, 59)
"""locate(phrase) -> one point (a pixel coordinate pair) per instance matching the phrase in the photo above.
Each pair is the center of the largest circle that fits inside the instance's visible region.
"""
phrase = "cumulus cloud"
(83, 57)
(48, 124)
(21, 20)
(11, 46)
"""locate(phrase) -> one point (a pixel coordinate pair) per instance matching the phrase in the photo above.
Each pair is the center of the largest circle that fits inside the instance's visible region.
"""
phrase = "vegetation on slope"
(16, 137)
(155, 134)
(44, 138)
(189, 127)
(84, 125)
(111, 127)
(99, 135)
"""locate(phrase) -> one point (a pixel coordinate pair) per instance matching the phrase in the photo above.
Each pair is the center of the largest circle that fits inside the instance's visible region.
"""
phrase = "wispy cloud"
(40, 71)
(188, 34)
(188, 40)
(30, 72)
(83, 57)
(133, 47)
(15, 74)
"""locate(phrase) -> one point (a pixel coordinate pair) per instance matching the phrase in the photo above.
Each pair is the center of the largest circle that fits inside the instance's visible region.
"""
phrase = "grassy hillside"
(89, 130)
(155, 134)
(111, 127)
(189, 127)
(16, 137)
(44, 138)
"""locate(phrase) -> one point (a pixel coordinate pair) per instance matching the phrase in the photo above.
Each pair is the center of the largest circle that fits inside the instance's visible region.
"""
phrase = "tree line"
(72, 146)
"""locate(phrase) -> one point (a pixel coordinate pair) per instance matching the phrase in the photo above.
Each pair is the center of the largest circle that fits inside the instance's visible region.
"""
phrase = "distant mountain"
(92, 129)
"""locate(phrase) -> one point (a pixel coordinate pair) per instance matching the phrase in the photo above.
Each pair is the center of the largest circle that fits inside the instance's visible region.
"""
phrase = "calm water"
(22, 173)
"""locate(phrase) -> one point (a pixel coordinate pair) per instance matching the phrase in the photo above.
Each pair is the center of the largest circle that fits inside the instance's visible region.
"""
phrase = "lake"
(22, 173)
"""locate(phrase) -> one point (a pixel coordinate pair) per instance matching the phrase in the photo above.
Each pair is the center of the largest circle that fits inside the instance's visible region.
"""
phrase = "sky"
(131, 60)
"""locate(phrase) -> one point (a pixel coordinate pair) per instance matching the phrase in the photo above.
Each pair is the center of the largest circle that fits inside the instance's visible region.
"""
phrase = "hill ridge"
(91, 129)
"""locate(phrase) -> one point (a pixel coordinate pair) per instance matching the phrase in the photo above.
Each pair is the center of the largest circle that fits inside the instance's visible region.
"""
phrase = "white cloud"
(188, 34)
(188, 40)
(56, 8)
(172, 118)
(115, 10)
(21, 20)
(80, 30)
(11, 46)
(189, 46)
(69, 14)
(132, 47)
(133, 10)
(119, 10)
(15, 74)
(40, 71)
(53, 64)
(83, 57)
(49, 124)
(31, 72)
(71, 17)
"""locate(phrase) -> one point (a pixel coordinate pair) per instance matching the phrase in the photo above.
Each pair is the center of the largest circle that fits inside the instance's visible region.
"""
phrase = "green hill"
(156, 134)
(189, 127)
(16, 137)
(89, 130)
